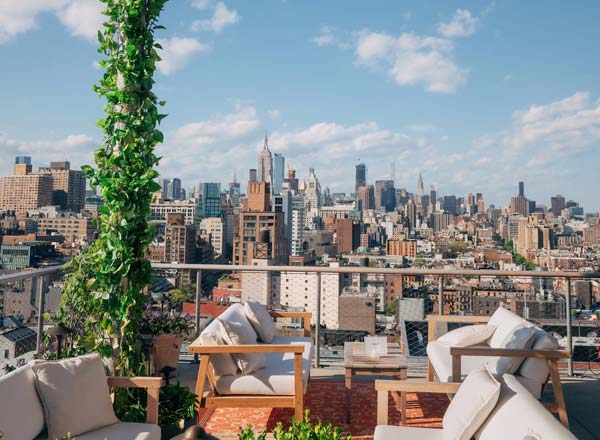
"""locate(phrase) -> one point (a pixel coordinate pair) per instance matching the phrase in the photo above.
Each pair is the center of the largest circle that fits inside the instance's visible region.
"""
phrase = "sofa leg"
(558, 393)
(430, 372)
(201, 381)
(298, 387)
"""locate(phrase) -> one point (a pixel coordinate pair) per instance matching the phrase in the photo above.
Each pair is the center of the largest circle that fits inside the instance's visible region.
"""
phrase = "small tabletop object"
(357, 362)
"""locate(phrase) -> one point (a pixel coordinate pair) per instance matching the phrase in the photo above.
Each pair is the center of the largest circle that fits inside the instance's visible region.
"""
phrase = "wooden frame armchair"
(551, 356)
(152, 384)
(206, 373)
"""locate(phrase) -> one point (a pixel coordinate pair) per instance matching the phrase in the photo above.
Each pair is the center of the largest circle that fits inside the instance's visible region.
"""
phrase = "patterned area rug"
(326, 401)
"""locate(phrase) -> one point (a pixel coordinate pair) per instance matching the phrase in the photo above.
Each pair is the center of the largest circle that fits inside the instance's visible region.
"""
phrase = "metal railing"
(441, 274)
(39, 287)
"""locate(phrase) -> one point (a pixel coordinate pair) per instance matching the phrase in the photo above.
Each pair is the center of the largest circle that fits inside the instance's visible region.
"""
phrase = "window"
(6, 354)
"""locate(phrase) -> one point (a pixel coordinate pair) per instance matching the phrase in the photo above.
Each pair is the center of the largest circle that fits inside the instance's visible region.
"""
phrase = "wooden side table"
(357, 362)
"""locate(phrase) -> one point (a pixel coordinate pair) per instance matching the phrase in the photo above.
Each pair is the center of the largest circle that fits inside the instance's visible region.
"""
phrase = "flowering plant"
(165, 323)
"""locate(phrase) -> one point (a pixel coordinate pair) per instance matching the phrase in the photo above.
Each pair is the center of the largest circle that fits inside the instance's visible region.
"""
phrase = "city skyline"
(335, 98)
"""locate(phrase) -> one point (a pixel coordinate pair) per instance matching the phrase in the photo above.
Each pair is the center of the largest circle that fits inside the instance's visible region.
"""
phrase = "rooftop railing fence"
(545, 297)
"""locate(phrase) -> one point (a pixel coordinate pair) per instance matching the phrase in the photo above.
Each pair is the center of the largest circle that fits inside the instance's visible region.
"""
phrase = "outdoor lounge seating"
(516, 347)
(516, 414)
(24, 413)
(277, 371)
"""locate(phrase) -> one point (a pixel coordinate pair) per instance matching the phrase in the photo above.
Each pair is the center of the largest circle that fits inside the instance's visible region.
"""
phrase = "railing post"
(318, 322)
(197, 314)
(569, 328)
(41, 303)
(441, 295)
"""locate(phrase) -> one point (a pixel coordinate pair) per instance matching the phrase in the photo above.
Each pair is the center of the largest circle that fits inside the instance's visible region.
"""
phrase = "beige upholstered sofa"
(23, 416)
(512, 413)
(281, 364)
(515, 347)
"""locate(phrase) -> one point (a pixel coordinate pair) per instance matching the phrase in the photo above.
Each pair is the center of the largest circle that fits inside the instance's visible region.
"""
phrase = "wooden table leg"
(348, 390)
(402, 376)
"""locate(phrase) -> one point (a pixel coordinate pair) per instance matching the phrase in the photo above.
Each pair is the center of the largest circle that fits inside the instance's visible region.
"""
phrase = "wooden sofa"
(458, 361)
(282, 383)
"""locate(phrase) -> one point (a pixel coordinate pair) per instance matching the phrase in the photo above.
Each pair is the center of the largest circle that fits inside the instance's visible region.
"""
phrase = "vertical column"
(569, 328)
(441, 295)
(318, 322)
(38, 283)
(197, 312)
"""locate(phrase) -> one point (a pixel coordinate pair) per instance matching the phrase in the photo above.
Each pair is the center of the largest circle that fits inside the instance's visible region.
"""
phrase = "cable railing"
(437, 293)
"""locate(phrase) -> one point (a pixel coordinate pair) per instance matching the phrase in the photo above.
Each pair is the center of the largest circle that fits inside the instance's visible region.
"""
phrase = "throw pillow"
(261, 320)
(74, 394)
(471, 405)
(468, 335)
(238, 334)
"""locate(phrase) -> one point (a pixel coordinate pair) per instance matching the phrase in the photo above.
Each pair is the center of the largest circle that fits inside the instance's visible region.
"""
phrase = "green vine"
(104, 294)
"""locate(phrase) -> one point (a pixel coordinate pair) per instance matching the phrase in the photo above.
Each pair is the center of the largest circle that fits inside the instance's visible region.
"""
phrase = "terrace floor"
(582, 394)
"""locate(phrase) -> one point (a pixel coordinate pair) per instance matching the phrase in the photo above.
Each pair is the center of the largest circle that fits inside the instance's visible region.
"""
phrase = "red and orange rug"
(326, 401)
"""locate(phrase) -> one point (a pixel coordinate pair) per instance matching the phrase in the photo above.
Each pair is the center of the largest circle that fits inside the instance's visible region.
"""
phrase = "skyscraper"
(68, 186)
(522, 189)
(385, 195)
(265, 165)
(211, 200)
(361, 176)
(420, 190)
(24, 190)
(278, 172)
(234, 191)
(557, 204)
(366, 196)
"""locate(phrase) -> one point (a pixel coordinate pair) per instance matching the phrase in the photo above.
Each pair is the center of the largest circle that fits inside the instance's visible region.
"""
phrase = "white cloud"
(331, 36)
(274, 114)
(83, 18)
(202, 4)
(18, 16)
(411, 59)
(222, 17)
(176, 53)
(77, 148)
(462, 24)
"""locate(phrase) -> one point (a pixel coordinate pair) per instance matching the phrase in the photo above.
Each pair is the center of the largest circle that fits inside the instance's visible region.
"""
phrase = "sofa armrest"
(458, 352)
(306, 317)
(246, 348)
(383, 387)
(152, 384)
(432, 320)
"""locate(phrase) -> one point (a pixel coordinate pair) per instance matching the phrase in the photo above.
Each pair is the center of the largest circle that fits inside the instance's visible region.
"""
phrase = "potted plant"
(165, 331)
(299, 429)
(177, 409)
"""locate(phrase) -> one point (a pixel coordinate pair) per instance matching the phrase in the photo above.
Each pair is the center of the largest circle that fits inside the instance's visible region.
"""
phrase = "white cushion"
(521, 339)
(261, 320)
(519, 415)
(19, 396)
(537, 369)
(439, 356)
(388, 432)
(240, 333)
(214, 334)
(468, 335)
(506, 322)
(74, 394)
(277, 378)
(121, 430)
(471, 405)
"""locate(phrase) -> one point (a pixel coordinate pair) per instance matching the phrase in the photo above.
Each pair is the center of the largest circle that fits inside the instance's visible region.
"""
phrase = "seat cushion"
(238, 333)
(468, 335)
(19, 397)
(439, 356)
(471, 405)
(121, 431)
(261, 320)
(519, 415)
(521, 338)
(74, 394)
(277, 378)
(214, 334)
(388, 432)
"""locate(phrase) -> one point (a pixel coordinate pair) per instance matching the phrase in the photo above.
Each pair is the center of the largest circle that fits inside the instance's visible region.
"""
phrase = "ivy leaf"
(130, 49)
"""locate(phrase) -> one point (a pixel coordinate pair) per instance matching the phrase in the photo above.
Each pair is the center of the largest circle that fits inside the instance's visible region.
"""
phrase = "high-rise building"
(25, 191)
(68, 186)
(449, 204)
(410, 211)
(292, 181)
(441, 221)
(265, 165)
(278, 172)
(522, 189)
(361, 176)
(557, 204)
(297, 229)
(311, 189)
(234, 192)
(519, 205)
(405, 248)
(212, 230)
(385, 195)
(420, 190)
(347, 235)
(180, 239)
(252, 175)
(259, 198)
(366, 196)
(210, 204)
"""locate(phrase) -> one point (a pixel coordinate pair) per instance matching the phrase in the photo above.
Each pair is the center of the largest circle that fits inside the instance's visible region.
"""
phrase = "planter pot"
(170, 431)
(165, 351)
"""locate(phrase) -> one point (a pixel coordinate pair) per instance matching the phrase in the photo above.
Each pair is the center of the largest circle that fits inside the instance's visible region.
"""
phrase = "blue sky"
(476, 95)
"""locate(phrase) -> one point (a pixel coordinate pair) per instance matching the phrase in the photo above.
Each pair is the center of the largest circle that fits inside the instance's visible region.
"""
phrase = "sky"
(475, 95)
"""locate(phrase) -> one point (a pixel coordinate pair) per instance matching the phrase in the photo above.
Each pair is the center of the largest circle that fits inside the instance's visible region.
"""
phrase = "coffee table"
(357, 362)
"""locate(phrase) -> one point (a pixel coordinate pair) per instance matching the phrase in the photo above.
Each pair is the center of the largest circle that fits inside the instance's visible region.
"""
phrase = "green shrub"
(298, 430)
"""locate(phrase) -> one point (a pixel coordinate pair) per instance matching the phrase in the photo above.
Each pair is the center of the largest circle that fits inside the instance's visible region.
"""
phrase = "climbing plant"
(104, 294)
